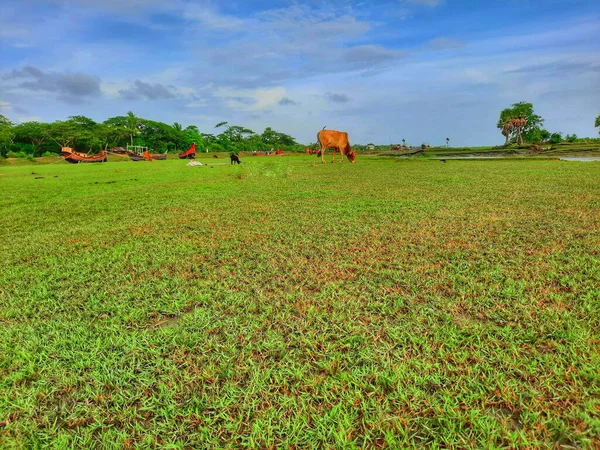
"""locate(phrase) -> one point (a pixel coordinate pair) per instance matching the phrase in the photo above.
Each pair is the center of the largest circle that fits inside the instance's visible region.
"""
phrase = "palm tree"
(507, 130)
(132, 125)
(447, 141)
(403, 142)
(597, 123)
(514, 124)
(519, 125)
(177, 126)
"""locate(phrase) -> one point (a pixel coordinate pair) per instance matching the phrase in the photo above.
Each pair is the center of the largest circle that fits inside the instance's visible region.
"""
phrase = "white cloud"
(249, 100)
(430, 3)
(208, 18)
(274, 46)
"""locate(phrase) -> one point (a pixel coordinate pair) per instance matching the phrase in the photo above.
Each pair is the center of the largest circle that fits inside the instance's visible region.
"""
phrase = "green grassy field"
(382, 304)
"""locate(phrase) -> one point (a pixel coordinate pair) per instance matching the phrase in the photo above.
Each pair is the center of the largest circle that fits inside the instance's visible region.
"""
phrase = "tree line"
(520, 124)
(85, 135)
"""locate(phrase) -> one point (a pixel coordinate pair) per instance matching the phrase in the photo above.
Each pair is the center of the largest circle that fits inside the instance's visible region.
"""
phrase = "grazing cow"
(337, 140)
(234, 159)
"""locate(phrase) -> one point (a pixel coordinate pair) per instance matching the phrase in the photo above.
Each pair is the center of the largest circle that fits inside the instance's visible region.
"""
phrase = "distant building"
(370, 147)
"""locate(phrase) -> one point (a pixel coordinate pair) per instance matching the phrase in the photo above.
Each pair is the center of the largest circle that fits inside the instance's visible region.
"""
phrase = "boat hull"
(135, 157)
(75, 158)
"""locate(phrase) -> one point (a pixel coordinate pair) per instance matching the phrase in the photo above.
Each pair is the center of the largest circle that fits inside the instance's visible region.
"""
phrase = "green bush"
(16, 155)
(556, 138)
(23, 147)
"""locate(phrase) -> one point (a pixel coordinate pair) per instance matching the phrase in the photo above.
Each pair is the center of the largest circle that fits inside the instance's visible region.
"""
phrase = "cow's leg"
(322, 153)
(333, 159)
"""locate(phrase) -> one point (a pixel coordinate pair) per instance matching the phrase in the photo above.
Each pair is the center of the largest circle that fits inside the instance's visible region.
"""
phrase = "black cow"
(234, 159)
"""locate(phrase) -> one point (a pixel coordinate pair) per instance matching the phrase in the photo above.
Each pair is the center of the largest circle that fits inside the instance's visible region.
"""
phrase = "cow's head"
(351, 156)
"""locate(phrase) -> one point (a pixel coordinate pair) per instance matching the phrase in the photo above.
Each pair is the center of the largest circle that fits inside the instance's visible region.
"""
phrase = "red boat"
(189, 154)
(76, 157)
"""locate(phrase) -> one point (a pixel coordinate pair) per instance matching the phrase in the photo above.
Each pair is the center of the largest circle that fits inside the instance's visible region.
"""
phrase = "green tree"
(7, 135)
(34, 132)
(5, 121)
(521, 110)
(597, 124)
(133, 125)
(208, 138)
(83, 122)
(537, 135)
(64, 133)
(117, 130)
(84, 134)
(236, 133)
(160, 136)
(273, 138)
(124, 128)
(556, 138)
(191, 134)
(79, 132)
(233, 138)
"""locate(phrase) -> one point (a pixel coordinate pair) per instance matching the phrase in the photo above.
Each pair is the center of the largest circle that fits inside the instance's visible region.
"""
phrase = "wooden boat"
(189, 154)
(147, 156)
(140, 153)
(76, 157)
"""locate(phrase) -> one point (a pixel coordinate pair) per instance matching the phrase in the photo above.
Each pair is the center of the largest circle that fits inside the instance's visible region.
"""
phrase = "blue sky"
(420, 70)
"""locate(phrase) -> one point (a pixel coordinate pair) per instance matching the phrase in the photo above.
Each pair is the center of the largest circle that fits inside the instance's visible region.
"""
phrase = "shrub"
(556, 138)
(16, 155)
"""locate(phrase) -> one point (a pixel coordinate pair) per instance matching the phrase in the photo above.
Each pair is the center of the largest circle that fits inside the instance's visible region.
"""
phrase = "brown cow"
(337, 140)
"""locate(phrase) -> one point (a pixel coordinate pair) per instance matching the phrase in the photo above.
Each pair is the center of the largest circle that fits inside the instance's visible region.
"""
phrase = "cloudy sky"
(421, 70)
